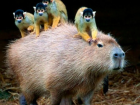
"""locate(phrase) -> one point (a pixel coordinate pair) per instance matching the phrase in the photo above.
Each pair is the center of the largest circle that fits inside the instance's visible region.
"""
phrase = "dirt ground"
(124, 89)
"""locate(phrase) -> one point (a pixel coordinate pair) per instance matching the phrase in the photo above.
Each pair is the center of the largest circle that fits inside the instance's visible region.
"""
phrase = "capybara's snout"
(118, 56)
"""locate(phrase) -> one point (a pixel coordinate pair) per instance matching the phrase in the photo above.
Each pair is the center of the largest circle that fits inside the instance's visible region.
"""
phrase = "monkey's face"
(19, 15)
(45, 2)
(87, 18)
(19, 18)
(39, 9)
(88, 14)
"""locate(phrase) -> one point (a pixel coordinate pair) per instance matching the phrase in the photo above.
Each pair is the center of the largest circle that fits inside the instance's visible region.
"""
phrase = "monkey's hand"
(30, 28)
(32, 32)
(90, 41)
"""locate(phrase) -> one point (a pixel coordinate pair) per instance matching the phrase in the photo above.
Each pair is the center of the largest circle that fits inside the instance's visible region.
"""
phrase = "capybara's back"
(55, 63)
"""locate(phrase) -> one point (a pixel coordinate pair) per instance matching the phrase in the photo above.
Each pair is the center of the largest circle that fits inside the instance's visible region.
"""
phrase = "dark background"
(121, 19)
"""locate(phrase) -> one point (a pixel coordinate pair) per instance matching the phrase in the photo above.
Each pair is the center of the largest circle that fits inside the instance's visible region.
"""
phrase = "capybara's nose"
(118, 53)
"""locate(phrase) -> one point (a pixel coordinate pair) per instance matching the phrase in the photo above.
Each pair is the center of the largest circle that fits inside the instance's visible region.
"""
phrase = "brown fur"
(59, 64)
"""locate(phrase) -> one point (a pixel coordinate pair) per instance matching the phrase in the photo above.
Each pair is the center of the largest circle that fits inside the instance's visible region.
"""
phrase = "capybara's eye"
(99, 45)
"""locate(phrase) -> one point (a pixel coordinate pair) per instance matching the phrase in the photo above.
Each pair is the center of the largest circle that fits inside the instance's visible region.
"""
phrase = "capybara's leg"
(55, 98)
(22, 100)
(77, 101)
(66, 101)
(34, 102)
(88, 98)
(27, 99)
(105, 85)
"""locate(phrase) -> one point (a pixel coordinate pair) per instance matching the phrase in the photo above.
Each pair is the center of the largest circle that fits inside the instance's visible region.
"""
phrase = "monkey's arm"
(94, 34)
(85, 36)
(22, 33)
(37, 29)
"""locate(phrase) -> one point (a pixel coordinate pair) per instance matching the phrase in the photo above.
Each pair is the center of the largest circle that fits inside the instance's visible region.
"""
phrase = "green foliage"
(4, 95)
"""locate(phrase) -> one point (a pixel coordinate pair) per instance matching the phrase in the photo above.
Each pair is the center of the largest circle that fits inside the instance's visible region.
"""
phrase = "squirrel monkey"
(57, 12)
(24, 21)
(40, 18)
(86, 25)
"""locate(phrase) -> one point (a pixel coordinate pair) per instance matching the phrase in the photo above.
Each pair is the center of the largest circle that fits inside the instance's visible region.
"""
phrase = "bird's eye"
(99, 45)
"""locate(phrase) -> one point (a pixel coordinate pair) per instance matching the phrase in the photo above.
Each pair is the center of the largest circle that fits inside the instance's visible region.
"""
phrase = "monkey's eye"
(89, 16)
(19, 17)
(85, 16)
(42, 10)
(99, 45)
(47, 2)
(38, 10)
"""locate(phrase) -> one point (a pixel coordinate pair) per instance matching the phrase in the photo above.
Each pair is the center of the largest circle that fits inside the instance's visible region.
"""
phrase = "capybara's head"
(108, 54)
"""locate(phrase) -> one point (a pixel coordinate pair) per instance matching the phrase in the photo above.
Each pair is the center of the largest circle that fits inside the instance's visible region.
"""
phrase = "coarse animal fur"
(58, 64)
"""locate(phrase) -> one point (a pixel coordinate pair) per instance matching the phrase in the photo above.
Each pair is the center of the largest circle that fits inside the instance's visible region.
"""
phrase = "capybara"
(61, 66)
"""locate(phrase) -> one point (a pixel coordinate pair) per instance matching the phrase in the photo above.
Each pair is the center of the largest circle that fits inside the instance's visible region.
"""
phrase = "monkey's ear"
(14, 14)
(34, 9)
(81, 13)
(94, 13)
(24, 14)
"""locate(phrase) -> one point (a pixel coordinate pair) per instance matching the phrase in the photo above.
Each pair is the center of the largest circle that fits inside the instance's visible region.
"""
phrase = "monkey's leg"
(64, 17)
(37, 30)
(50, 20)
(77, 35)
(46, 26)
(55, 21)
(94, 34)
(22, 33)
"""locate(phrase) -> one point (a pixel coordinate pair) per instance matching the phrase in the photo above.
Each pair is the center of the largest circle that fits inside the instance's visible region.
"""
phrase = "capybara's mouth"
(117, 68)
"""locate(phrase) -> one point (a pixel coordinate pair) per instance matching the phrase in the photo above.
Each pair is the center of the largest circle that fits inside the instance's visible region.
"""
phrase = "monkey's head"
(40, 8)
(19, 15)
(88, 14)
(46, 2)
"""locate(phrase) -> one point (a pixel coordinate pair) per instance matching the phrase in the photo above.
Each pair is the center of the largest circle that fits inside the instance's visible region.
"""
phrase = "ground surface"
(124, 89)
